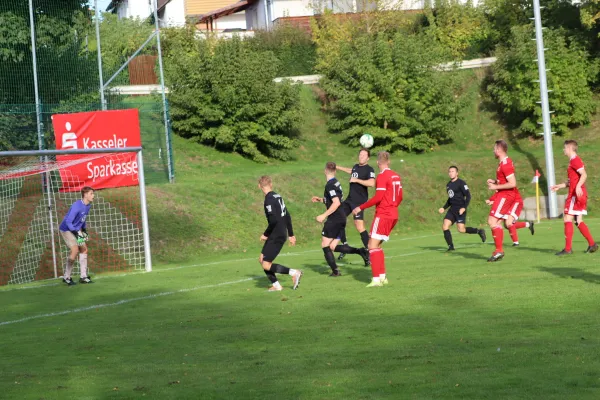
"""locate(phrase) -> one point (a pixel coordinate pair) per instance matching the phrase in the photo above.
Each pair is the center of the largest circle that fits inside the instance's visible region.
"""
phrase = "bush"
(392, 89)
(222, 94)
(515, 90)
(292, 46)
(462, 28)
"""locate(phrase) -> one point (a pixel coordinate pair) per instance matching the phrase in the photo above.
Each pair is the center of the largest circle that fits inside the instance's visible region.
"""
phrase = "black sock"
(330, 258)
(471, 230)
(448, 237)
(280, 269)
(343, 239)
(364, 235)
(344, 248)
(271, 276)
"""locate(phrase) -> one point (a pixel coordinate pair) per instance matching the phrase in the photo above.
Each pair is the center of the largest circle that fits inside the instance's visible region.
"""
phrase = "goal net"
(36, 192)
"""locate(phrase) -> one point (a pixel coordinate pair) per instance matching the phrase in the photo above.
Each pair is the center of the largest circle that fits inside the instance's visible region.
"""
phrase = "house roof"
(222, 12)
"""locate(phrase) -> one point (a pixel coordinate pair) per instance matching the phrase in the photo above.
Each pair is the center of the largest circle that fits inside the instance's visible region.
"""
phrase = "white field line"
(189, 266)
(124, 301)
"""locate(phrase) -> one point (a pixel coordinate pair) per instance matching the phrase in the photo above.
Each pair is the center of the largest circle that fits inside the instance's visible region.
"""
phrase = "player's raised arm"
(368, 182)
(343, 169)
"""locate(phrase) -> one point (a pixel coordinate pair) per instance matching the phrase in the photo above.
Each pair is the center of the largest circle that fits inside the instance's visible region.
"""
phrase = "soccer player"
(275, 236)
(388, 196)
(459, 197)
(73, 231)
(362, 177)
(576, 203)
(515, 212)
(336, 221)
(505, 184)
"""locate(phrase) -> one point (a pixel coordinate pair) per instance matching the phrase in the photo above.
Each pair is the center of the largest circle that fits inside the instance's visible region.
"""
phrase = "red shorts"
(503, 205)
(515, 210)
(382, 227)
(576, 205)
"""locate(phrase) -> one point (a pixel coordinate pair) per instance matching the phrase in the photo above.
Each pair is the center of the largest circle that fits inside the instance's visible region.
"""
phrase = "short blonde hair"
(265, 181)
(572, 143)
(384, 157)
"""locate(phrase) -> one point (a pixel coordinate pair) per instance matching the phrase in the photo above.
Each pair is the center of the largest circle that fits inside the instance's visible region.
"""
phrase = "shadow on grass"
(536, 250)
(573, 273)
(455, 253)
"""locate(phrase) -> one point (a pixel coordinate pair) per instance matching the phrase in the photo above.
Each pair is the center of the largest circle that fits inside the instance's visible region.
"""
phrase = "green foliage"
(571, 71)
(60, 30)
(292, 46)
(17, 128)
(391, 89)
(222, 93)
(460, 27)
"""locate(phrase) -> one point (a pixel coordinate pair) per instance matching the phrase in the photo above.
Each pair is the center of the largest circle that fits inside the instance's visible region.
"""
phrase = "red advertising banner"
(98, 130)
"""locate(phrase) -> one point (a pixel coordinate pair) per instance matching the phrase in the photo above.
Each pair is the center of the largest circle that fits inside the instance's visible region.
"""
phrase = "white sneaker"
(296, 278)
(275, 289)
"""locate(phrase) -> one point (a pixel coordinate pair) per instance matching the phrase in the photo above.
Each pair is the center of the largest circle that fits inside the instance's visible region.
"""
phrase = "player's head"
(265, 183)
(453, 172)
(570, 148)
(330, 168)
(500, 148)
(383, 159)
(363, 156)
(87, 194)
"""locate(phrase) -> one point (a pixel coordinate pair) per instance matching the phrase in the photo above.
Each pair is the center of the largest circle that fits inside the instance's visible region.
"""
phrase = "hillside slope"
(215, 205)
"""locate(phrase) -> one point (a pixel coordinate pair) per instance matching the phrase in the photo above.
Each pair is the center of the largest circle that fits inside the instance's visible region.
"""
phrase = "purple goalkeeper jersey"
(75, 218)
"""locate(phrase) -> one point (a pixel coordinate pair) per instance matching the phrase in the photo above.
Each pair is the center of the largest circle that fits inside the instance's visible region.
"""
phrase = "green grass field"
(449, 326)
(203, 326)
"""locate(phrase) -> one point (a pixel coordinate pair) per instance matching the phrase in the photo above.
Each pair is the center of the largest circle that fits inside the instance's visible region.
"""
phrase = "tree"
(222, 94)
(515, 90)
(392, 89)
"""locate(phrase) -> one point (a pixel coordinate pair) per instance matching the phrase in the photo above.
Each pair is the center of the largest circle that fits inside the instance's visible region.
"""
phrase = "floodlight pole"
(99, 51)
(38, 106)
(541, 60)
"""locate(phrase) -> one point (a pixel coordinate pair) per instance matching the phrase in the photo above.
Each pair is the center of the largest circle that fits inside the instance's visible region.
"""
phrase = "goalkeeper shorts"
(69, 238)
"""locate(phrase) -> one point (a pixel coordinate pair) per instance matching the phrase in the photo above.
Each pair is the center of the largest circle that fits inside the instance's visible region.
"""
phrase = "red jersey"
(574, 172)
(518, 197)
(505, 170)
(388, 195)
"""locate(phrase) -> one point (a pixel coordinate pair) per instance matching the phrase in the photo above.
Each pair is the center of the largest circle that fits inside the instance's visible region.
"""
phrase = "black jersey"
(278, 217)
(458, 194)
(333, 189)
(359, 194)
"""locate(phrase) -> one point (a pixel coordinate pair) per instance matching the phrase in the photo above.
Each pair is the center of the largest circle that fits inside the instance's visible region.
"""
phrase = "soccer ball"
(366, 141)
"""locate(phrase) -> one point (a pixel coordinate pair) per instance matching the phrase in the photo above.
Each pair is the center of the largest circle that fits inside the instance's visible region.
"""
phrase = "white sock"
(376, 279)
(526, 224)
(516, 242)
(277, 285)
(293, 271)
(382, 276)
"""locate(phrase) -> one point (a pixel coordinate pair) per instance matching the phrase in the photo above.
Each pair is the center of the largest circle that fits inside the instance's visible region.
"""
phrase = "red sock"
(376, 256)
(513, 233)
(585, 231)
(498, 234)
(520, 225)
(382, 265)
(568, 235)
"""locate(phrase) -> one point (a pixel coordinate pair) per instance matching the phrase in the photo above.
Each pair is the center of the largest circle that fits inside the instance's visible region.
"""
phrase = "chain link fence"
(50, 63)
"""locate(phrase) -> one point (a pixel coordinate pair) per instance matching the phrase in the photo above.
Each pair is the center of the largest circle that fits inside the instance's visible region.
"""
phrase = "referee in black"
(457, 203)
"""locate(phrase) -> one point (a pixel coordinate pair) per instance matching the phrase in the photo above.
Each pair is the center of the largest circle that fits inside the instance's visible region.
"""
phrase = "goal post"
(37, 189)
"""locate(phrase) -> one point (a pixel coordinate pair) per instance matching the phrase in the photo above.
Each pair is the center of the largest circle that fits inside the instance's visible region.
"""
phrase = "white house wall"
(233, 21)
(291, 8)
(173, 14)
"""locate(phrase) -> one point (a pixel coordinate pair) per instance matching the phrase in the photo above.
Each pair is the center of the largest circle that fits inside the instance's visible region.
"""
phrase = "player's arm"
(467, 193)
(510, 184)
(368, 183)
(335, 204)
(288, 223)
(582, 178)
(344, 169)
(272, 219)
(447, 204)
(375, 200)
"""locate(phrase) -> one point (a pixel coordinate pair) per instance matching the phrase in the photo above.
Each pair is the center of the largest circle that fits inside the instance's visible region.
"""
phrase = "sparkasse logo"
(69, 139)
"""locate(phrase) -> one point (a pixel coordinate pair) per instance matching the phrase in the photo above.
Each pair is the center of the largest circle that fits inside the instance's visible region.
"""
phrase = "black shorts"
(333, 229)
(348, 211)
(454, 216)
(271, 248)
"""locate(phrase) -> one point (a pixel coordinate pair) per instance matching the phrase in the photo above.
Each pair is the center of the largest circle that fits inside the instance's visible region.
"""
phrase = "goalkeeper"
(74, 232)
